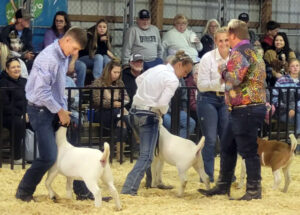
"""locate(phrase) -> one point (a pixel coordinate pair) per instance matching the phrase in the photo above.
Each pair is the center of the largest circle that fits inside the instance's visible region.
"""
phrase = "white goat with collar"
(85, 164)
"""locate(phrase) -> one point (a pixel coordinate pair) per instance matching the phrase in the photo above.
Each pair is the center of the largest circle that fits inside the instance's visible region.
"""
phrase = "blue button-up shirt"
(46, 82)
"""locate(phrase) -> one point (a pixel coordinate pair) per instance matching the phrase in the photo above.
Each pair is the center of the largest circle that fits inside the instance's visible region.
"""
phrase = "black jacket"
(12, 100)
(208, 44)
(26, 37)
(130, 85)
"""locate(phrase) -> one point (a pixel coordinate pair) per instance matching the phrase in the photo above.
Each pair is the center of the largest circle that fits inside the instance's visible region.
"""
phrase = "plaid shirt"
(286, 81)
(245, 76)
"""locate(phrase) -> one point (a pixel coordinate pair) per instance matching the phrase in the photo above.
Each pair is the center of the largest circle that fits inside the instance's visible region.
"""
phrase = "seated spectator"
(18, 37)
(191, 81)
(14, 103)
(277, 58)
(289, 80)
(181, 38)
(129, 74)
(144, 39)
(267, 40)
(60, 25)
(185, 129)
(98, 51)
(207, 39)
(254, 40)
(111, 77)
(4, 55)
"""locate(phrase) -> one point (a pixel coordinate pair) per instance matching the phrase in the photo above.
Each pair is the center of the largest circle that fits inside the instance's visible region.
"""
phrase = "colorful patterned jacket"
(245, 76)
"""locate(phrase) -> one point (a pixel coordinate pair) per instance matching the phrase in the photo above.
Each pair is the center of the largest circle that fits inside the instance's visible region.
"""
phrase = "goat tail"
(105, 155)
(294, 142)
(200, 145)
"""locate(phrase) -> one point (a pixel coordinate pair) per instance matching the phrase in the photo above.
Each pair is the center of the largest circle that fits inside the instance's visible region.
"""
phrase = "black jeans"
(240, 136)
(19, 132)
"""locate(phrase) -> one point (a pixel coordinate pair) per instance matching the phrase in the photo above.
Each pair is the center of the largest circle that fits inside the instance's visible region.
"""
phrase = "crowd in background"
(143, 48)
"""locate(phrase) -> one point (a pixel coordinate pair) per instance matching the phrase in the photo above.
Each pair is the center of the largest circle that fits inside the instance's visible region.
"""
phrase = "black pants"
(19, 132)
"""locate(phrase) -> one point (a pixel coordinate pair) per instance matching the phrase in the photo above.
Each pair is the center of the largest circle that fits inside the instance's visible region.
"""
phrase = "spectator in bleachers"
(181, 38)
(98, 51)
(60, 25)
(129, 74)
(267, 40)
(254, 40)
(212, 110)
(14, 103)
(191, 81)
(144, 39)
(289, 80)
(185, 129)
(5, 53)
(278, 56)
(207, 39)
(111, 77)
(18, 37)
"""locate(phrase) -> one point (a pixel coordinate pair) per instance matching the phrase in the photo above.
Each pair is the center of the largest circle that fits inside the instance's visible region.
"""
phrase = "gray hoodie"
(145, 42)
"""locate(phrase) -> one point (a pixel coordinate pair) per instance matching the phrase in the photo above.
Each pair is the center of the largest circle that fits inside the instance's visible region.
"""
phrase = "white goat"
(181, 153)
(84, 164)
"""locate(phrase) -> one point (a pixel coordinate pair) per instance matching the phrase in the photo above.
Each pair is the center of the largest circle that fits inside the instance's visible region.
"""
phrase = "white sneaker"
(18, 162)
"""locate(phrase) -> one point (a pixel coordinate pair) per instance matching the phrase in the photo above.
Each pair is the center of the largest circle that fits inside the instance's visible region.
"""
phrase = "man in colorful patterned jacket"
(245, 96)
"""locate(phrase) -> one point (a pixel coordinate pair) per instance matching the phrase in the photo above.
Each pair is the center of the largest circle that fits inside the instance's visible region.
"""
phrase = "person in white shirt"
(181, 38)
(211, 107)
(155, 88)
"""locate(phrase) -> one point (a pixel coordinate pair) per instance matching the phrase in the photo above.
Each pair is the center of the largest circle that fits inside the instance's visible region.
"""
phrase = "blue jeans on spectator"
(41, 120)
(80, 69)
(150, 64)
(145, 123)
(213, 118)
(184, 130)
(97, 63)
(291, 120)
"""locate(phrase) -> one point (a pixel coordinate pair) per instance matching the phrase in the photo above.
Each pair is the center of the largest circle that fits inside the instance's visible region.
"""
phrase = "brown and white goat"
(84, 164)
(277, 155)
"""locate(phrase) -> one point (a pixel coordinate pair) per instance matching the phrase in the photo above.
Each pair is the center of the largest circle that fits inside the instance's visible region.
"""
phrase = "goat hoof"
(106, 199)
(164, 187)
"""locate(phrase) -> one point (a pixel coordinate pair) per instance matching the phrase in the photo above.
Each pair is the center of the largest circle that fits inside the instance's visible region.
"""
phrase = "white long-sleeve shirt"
(174, 40)
(208, 74)
(156, 87)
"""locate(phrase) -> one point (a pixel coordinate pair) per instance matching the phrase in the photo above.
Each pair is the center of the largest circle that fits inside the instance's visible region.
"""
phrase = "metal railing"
(84, 131)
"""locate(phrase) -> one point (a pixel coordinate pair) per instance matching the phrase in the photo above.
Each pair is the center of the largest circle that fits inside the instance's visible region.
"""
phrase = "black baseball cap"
(136, 57)
(244, 17)
(144, 14)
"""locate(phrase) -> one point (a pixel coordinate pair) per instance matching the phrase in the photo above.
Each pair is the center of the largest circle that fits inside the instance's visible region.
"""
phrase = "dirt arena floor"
(153, 201)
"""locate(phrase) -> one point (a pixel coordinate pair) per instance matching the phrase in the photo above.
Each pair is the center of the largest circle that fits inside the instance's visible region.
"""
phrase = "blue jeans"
(80, 69)
(291, 120)
(240, 136)
(145, 124)
(150, 64)
(213, 118)
(183, 131)
(41, 121)
(97, 63)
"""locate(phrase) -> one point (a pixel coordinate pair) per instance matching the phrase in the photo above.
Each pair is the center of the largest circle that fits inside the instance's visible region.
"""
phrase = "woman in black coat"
(14, 102)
